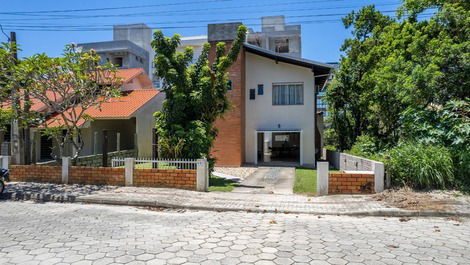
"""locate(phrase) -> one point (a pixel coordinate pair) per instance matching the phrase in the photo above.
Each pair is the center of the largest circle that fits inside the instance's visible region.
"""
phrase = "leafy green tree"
(68, 86)
(407, 80)
(393, 65)
(6, 77)
(195, 95)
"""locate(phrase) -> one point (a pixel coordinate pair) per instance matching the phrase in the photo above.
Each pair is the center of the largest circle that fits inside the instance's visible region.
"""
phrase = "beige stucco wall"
(145, 123)
(262, 114)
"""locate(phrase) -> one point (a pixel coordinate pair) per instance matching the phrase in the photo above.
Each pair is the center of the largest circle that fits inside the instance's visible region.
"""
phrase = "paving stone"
(93, 234)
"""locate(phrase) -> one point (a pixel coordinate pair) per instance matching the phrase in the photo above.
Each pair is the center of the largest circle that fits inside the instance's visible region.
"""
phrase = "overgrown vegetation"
(421, 165)
(403, 90)
(195, 95)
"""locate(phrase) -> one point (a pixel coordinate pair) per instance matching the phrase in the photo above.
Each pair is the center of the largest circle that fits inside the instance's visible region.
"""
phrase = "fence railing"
(149, 163)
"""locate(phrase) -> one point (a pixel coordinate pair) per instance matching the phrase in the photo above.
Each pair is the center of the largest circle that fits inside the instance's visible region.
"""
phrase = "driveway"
(272, 180)
(53, 233)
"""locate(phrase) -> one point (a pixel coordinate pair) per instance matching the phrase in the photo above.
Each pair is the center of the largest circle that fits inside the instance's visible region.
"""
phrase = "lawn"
(221, 184)
(305, 181)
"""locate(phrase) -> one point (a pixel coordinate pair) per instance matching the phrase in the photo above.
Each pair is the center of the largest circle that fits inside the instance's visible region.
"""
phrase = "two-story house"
(272, 120)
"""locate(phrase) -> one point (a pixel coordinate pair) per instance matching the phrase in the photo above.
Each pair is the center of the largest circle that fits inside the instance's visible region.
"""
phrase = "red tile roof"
(129, 74)
(126, 74)
(117, 108)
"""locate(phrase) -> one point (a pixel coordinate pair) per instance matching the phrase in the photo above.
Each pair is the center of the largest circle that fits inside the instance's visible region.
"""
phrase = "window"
(229, 86)
(260, 89)
(288, 94)
(252, 94)
(282, 45)
(117, 61)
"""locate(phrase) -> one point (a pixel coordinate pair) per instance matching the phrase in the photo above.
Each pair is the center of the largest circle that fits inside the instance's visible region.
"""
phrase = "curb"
(378, 213)
(68, 198)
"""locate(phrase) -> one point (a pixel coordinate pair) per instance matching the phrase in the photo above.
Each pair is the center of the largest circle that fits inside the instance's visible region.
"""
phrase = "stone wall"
(184, 179)
(96, 160)
(356, 183)
(50, 174)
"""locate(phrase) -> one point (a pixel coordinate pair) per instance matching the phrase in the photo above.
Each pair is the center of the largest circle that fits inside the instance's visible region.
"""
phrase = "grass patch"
(221, 184)
(306, 180)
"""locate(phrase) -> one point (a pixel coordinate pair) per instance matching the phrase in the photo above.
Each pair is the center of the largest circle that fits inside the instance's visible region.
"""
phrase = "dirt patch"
(408, 199)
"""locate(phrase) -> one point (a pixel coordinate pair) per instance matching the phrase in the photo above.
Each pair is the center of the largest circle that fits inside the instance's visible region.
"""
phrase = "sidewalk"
(355, 205)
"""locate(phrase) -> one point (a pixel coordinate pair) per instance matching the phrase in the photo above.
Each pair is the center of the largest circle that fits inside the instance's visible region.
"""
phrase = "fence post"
(202, 177)
(104, 162)
(322, 178)
(129, 171)
(4, 162)
(65, 170)
(379, 176)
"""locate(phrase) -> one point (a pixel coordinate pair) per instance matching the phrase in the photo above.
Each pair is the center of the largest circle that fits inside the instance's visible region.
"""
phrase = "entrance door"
(275, 147)
(46, 148)
(285, 147)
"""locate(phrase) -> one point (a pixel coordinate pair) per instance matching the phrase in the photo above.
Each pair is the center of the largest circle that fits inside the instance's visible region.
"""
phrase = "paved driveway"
(275, 180)
(90, 234)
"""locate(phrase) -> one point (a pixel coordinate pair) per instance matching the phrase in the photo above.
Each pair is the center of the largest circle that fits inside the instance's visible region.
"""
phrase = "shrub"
(364, 146)
(421, 166)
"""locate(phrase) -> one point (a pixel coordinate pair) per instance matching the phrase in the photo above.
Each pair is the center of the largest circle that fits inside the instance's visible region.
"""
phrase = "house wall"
(229, 147)
(145, 122)
(262, 114)
(125, 127)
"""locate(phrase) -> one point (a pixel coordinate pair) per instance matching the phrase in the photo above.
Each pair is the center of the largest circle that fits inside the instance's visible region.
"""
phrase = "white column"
(322, 178)
(4, 162)
(301, 148)
(65, 170)
(379, 176)
(129, 171)
(202, 175)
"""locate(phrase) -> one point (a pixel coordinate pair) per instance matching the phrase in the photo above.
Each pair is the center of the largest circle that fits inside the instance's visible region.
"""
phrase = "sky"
(46, 26)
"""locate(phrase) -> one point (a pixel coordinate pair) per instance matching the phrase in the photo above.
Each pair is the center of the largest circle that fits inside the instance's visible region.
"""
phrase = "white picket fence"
(148, 163)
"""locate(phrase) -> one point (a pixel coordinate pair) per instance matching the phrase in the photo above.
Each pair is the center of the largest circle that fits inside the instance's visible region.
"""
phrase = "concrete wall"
(274, 28)
(343, 161)
(262, 114)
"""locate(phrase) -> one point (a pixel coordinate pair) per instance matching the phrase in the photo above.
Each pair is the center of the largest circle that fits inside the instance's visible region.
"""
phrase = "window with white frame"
(288, 94)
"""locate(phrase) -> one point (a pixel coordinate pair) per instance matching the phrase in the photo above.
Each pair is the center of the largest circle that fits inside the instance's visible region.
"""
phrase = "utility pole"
(16, 135)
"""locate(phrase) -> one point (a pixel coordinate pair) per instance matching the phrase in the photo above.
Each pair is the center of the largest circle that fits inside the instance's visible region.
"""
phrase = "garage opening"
(275, 147)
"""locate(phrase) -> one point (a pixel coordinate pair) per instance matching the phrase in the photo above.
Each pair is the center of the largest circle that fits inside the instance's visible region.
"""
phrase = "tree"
(195, 95)
(68, 86)
(407, 79)
(392, 65)
(6, 76)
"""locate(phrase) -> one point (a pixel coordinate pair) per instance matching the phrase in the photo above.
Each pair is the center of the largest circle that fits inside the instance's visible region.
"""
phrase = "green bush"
(421, 166)
(364, 146)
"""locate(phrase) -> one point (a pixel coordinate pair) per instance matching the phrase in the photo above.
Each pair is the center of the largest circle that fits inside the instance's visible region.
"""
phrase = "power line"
(191, 21)
(180, 12)
(212, 21)
(107, 8)
(192, 26)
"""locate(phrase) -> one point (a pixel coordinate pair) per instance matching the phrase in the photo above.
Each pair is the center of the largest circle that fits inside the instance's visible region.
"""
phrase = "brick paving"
(218, 201)
(95, 234)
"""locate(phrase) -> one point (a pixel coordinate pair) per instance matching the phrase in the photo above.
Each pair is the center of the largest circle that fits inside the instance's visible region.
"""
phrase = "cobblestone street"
(93, 234)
